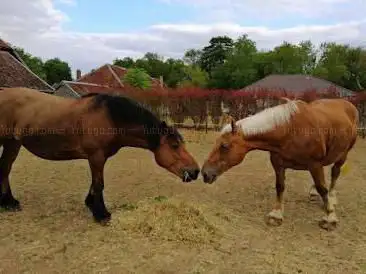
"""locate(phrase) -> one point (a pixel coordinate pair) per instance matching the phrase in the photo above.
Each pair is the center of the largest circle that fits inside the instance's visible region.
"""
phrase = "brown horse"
(94, 128)
(298, 136)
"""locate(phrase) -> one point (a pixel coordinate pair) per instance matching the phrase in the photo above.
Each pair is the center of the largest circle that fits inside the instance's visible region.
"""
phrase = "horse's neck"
(266, 141)
(267, 138)
(134, 137)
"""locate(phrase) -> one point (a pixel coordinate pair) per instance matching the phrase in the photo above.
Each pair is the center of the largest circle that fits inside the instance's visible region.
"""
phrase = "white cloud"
(37, 26)
(67, 2)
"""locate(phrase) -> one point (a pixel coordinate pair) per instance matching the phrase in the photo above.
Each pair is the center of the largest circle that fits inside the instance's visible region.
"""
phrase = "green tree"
(138, 78)
(225, 63)
(288, 58)
(126, 62)
(192, 57)
(216, 52)
(332, 64)
(308, 56)
(263, 63)
(356, 65)
(152, 63)
(57, 70)
(239, 69)
(35, 64)
(194, 77)
(173, 72)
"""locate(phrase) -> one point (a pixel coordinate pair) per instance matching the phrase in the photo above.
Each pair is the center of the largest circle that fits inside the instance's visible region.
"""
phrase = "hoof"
(328, 224)
(313, 197)
(271, 221)
(104, 219)
(313, 194)
(274, 218)
(10, 205)
(89, 202)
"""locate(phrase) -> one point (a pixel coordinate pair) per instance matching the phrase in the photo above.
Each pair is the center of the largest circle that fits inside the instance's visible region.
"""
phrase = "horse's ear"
(233, 126)
(164, 128)
(163, 124)
(285, 99)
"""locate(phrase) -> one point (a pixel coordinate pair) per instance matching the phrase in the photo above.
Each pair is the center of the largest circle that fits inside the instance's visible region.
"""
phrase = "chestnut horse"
(298, 136)
(93, 127)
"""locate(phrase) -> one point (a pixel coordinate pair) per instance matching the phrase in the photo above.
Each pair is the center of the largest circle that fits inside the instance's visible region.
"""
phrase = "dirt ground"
(160, 225)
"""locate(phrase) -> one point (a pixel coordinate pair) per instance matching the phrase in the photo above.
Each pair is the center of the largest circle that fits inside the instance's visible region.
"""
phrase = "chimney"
(161, 81)
(78, 74)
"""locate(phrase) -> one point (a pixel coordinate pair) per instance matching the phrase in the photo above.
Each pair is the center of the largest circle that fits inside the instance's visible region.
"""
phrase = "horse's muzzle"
(209, 175)
(190, 174)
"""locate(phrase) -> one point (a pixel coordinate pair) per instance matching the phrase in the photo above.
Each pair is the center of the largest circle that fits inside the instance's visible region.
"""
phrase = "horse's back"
(28, 107)
(339, 119)
(335, 109)
(24, 95)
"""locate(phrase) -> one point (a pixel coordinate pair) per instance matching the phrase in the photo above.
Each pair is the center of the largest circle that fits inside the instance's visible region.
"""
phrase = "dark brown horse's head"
(172, 154)
(229, 151)
(142, 128)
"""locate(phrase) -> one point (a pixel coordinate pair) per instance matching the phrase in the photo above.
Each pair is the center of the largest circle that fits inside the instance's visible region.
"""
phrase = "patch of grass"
(363, 267)
(171, 220)
(128, 206)
(160, 198)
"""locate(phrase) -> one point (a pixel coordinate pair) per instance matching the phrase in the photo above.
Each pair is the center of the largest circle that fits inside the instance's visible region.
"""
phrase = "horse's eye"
(175, 145)
(224, 146)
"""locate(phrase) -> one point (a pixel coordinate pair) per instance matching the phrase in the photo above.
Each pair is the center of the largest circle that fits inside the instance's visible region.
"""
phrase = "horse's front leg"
(275, 217)
(313, 193)
(94, 199)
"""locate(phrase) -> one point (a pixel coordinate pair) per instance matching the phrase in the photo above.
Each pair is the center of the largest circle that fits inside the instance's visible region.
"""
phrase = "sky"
(91, 33)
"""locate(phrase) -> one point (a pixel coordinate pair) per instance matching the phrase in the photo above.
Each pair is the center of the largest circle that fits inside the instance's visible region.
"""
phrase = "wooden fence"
(204, 109)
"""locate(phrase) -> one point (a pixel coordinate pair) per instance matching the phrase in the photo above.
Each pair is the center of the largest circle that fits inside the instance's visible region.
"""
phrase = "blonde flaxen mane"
(266, 119)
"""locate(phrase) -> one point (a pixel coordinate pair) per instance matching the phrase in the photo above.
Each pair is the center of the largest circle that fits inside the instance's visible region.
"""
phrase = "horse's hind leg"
(329, 221)
(335, 172)
(10, 153)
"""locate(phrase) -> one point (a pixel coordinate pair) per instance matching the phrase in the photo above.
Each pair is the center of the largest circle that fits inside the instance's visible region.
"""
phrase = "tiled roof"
(84, 88)
(106, 79)
(295, 83)
(4, 45)
(110, 75)
(7, 48)
(105, 75)
(15, 74)
(119, 71)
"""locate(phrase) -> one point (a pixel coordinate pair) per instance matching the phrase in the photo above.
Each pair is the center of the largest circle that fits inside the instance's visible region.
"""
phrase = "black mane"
(124, 110)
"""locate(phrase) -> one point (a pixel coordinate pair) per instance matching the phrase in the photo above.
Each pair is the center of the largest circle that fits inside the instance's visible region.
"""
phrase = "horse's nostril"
(196, 172)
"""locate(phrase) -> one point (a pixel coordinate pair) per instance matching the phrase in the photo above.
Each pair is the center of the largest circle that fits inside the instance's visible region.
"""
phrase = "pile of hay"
(170, 220)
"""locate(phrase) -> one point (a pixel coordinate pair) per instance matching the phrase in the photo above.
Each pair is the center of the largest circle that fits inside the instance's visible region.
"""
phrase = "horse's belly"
(298, 155)
(53, 148)
(294, 164)
(336, 151)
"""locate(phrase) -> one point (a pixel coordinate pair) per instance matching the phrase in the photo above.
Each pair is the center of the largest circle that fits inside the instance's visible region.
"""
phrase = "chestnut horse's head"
(172, 154)
(229, 150)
